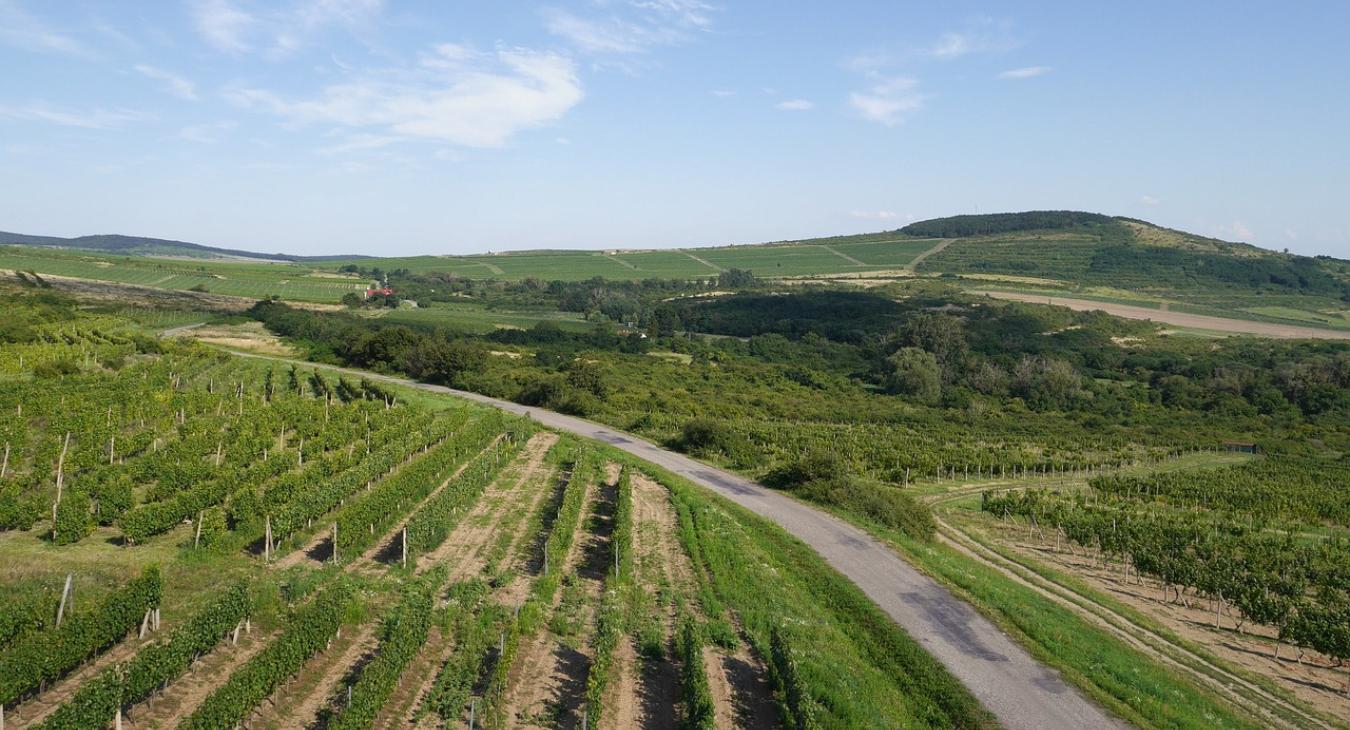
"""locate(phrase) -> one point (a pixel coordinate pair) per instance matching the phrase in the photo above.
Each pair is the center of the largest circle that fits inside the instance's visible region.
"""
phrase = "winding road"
(1020, 691)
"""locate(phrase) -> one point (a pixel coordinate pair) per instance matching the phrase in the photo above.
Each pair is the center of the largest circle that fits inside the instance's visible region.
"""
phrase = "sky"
(394, 128)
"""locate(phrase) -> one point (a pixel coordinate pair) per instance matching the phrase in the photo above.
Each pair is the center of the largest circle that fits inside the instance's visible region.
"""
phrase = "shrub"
(874, 500)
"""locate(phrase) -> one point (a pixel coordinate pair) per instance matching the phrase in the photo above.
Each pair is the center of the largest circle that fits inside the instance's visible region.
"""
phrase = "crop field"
(289, 281)
(197, 540)
(1154, 554)
(478, 318)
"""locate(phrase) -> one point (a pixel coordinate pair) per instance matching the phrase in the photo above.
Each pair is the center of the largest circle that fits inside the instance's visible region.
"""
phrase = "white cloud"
(1026, 72)
(630, 27)
(21, 30)
(176, 85)
(223, 25)
(279, 29)
(983, 35)
(477, 104)
(795, 105)
(93, 119)
(723, 93)
(874, 215)
(889, 101)
(1149, 200)
(205, 133)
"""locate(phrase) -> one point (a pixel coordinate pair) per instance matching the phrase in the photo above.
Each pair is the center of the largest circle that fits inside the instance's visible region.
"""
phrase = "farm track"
(548, 681)
(1020, 691)
(1240, 691)
(913, 265)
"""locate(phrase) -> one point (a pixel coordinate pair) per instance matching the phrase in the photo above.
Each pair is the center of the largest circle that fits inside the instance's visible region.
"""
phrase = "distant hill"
(142, 246)
(1100, 250)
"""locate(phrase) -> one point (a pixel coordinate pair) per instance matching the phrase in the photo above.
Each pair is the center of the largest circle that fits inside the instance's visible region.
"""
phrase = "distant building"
(382, 291)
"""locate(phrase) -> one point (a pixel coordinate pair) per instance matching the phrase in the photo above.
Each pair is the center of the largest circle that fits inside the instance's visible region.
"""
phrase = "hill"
(143, 246)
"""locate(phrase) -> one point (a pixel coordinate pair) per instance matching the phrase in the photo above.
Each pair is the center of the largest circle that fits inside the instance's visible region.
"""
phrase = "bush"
(874, 500)
(55, 368)
(705, 436)
(73, 520)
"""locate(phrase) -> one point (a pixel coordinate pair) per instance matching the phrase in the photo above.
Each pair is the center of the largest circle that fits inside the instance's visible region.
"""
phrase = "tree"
(915, 373)
(351, 299)
(941, 334)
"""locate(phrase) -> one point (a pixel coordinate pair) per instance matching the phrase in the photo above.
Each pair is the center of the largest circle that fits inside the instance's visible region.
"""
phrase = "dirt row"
(547, 683)
(646, 690)
(320, 686)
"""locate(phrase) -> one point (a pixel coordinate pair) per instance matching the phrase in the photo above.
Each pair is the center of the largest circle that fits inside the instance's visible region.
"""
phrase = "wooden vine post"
(65, 599)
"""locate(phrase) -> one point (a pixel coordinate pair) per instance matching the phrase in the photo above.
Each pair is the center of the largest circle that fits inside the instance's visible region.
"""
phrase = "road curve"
(1180, 319)
(1021, 692)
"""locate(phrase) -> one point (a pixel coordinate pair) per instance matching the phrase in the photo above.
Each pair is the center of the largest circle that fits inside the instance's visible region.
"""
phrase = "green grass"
(1132, 685)
(479, 319)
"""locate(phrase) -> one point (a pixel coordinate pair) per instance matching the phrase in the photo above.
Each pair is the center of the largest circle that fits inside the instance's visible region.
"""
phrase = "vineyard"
(197, 540)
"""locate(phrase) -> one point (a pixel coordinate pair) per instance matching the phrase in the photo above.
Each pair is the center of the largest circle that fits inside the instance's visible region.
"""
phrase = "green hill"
(143, 246)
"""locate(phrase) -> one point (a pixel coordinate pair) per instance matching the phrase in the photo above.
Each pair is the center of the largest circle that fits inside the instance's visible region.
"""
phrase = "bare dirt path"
(1180, 319)
(297, 703)
(507, 496)
(738, 679)
(548, 681)
(1019, 690)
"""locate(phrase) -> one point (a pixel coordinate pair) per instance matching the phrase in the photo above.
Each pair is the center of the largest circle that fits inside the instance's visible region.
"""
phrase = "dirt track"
(1180, 319)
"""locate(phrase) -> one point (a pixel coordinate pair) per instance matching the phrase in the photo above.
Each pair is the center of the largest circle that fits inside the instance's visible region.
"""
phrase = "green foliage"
(960, 226)
(402, 636)
(695, 695)
(802, 709)
(43, 656)
(95, 703)
(73, 518)
(476, 628)
(873, 501)
(915, 373)
(432, 523)
(308, 632)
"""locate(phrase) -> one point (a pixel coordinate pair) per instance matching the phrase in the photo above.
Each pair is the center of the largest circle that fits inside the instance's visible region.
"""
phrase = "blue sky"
(322, 126)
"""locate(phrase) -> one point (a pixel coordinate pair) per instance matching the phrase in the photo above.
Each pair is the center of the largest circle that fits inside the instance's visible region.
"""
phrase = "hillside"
(143, 246)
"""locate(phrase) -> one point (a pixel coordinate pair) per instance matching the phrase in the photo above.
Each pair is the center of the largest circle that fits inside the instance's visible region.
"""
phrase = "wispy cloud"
(630, 27)
(1026, 72)
(723, 93)
(795, 105)
(889, 101)
(223, 24)
(21, 30)
(279, 28)
(206, 133)
(1148, 200)
(981, 35)
(477, 101)
(176, 85)
(92, 119)
(874, 215)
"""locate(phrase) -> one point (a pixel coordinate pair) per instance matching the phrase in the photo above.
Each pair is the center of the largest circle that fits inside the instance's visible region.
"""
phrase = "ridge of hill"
(146, 246)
